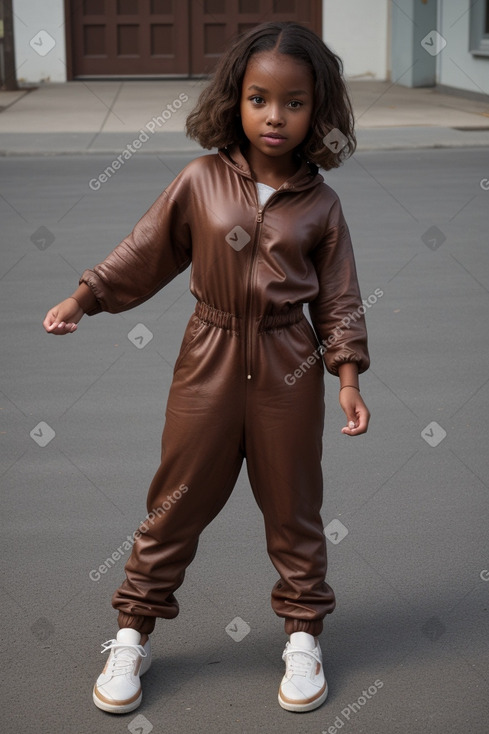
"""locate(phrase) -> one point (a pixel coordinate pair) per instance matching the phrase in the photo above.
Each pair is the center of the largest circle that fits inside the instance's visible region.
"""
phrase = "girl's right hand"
(63, 318)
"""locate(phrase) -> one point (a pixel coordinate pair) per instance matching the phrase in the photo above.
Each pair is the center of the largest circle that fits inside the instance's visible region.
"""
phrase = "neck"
(271, 171)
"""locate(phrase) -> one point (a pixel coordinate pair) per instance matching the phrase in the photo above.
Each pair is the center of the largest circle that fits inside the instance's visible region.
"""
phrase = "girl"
(265, 235)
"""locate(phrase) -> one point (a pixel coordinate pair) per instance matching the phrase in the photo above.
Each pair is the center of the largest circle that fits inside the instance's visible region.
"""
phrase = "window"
(479, 28)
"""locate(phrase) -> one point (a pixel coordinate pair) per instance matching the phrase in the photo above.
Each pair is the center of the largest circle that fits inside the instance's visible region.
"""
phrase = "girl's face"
(276, 105)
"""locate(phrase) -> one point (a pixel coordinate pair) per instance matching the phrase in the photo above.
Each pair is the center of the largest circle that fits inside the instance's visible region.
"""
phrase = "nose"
(275, 117)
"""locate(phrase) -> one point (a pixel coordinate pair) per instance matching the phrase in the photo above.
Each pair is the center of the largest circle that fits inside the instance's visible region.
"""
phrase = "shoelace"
(123, 661)
(298, 661)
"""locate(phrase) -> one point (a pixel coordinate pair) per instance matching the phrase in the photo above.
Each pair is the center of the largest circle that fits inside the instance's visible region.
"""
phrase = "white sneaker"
(118, 689)
(303, 687)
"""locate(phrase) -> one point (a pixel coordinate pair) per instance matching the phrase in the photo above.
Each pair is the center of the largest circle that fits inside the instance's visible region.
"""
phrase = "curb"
(176, 142)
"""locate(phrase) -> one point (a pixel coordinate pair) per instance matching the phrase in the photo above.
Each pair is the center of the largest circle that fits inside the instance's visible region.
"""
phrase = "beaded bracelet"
(353, 386)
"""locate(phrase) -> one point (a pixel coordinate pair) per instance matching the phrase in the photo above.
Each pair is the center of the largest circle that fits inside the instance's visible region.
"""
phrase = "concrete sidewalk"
(106, 116)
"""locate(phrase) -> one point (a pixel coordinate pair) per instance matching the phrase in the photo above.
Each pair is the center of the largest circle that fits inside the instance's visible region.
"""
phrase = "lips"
(273, 140)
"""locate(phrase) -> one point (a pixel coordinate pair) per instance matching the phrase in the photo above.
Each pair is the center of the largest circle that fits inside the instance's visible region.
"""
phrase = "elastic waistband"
(231, 322)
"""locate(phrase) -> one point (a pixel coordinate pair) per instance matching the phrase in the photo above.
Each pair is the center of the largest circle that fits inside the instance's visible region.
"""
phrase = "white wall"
(454, 24)
(40, 22)
(358, 31)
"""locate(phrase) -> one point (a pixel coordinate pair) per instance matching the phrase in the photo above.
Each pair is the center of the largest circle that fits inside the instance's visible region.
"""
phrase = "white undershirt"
(264, 193)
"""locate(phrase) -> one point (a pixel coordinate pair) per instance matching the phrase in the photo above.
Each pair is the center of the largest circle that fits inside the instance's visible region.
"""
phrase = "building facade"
(411, 42)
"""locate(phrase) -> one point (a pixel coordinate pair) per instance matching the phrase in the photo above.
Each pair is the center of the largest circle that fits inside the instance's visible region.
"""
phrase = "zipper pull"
(259, 216)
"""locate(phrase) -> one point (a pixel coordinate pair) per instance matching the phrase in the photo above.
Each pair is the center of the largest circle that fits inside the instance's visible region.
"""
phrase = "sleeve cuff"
(332, 362)
(86, 299)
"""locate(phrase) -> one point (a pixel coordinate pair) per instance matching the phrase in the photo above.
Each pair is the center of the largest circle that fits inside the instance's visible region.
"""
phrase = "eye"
(295, 104)
(256, 99)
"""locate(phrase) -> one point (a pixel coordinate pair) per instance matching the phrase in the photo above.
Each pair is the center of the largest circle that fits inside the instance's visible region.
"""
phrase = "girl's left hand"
(357, 413)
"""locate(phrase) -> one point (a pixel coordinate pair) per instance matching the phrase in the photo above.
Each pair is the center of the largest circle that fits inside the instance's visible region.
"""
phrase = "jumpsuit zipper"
(249, 324)
(249, 300)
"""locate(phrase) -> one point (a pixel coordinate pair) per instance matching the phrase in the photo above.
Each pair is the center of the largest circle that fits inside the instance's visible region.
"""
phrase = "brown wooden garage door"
(166, 37)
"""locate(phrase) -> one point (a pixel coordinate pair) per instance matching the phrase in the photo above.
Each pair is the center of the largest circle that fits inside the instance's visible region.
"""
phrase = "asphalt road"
(405, 508)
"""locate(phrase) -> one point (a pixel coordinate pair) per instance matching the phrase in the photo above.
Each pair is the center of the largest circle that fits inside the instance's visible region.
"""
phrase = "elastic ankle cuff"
(313, 627)
(144, 625)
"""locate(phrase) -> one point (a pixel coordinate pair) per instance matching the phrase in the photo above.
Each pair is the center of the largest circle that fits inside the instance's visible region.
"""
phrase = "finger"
(66, 327)
(363, 424)
(363, 419)
(356, 428)
(49, 320)
(350, 429)
(52, 327)
(61, 328)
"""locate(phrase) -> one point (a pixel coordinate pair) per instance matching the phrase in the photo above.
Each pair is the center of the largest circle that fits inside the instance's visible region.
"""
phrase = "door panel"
(215, 22)
(130, 37)
(168, 37)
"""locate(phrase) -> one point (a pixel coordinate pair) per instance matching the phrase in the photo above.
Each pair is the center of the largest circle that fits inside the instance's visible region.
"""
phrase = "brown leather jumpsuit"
(248, 382)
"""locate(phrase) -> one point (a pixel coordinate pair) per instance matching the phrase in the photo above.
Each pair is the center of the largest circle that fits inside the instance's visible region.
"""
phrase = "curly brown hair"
(214, 122)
